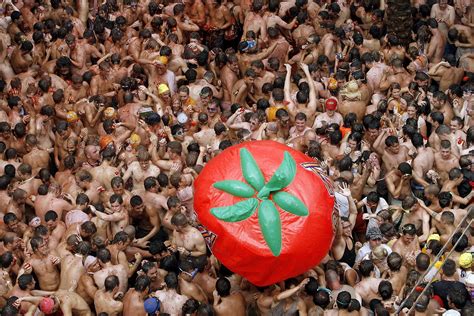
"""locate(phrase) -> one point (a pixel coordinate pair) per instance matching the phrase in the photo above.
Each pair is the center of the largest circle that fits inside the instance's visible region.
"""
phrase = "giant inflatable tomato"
(267, 211)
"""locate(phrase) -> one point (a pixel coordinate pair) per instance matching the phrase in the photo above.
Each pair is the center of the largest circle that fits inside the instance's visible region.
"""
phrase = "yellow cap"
(109, 112)
(163, 60)
(332, 85)
(163, 88)
(71, 116)
(465, 260)
(135, 140)
(433, 237)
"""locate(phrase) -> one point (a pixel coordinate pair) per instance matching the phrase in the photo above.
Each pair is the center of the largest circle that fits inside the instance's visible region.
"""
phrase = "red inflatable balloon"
(267, 210)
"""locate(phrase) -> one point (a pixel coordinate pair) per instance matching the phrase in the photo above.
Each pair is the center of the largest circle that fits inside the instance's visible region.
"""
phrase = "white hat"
(182, 118)
(451, 312)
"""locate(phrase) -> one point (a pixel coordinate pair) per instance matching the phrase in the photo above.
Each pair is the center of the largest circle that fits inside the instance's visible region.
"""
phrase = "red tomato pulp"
(241, 246)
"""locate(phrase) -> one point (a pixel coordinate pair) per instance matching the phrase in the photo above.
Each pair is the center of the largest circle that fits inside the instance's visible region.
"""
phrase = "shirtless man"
(90, 186)
(44, 265)
(171, 301)
(47, 199)
(72, 266)
(105, 172)
(422, 163)
(243, 88)
(367, 288)
(444, 160)
(262, 76)
(437, 43)
(226, 303)
(444, 14)
(397, 73)
(135, 297)
(21, 58)
(398, 182)
(407, 245)
(141, 169)
(25, 284)
(107, 300)
(398, 273)
(393, 154)
(255, 22)
(203, 276)
(446, 73)
(86, 287)
(37, 158)
(187, 285)
(412, 213)
(66, 301)
(107, 268)
(187, 239)
(118, 215)
(229, 76)
(206, 134)
(152, 208)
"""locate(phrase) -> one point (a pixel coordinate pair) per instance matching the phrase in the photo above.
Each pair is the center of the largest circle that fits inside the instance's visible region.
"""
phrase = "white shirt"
(383, 205)
(336, 118)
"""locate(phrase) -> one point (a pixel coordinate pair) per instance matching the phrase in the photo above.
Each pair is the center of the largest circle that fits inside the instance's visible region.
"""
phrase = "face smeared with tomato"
(241, 245)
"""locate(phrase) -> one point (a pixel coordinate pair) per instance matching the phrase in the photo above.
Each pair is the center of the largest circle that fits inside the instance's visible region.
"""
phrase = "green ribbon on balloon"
(262, 197)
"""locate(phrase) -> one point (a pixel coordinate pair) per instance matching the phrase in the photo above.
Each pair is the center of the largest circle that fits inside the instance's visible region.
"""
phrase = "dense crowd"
(109, 111)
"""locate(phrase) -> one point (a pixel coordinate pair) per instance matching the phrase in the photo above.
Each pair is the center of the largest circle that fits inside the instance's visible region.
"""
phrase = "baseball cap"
(162, 60)
(331, 104)
(163, 88)
(105, 141)
(374, 233)
(465, 260)
(134, 139)
(152, 305)
(433, 237)
(109, 112)
(46, 305)
(71, 116)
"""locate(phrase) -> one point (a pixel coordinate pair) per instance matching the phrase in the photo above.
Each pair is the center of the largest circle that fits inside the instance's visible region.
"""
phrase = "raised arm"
(312, 104)
(287, 90)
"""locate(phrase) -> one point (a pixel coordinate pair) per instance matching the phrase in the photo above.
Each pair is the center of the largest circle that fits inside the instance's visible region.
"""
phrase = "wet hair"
(321, 298)
(103, 254)
(366, 267)
(171, 280)
(462, 241)
(111, 282)
(445, 199)
(343, 300)
(394, 261)
(449, 267)
(24, 280)
(89, 227)
(385, 290)
(223, 287)
(422, 261)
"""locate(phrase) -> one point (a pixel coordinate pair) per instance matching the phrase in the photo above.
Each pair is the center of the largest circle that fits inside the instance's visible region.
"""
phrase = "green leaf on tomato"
(250, 170)
(270, 224)
(235, 188)
(235, 213)
(290, 203)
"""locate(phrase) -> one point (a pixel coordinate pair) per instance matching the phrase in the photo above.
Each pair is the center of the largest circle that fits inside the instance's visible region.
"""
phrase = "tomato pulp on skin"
(240, 246)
